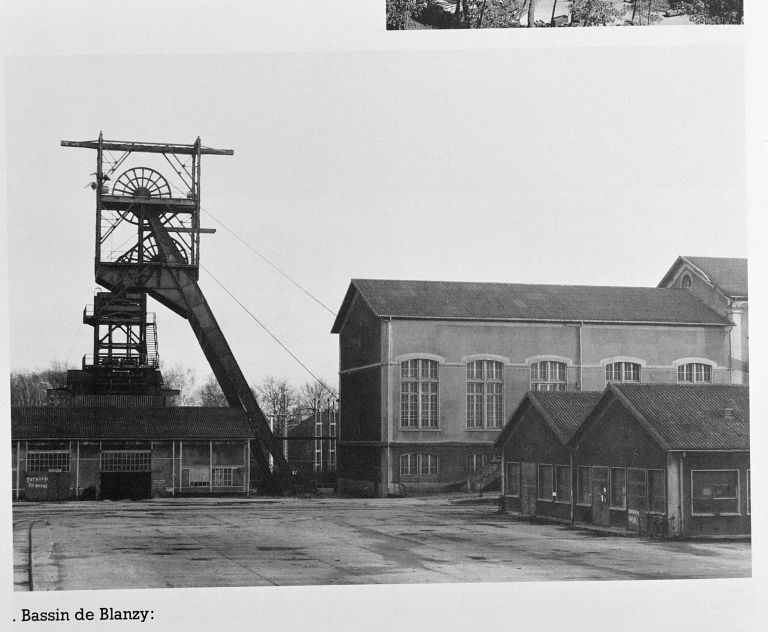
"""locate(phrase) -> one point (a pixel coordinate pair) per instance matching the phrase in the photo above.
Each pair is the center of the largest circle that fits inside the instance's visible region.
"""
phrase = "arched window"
(419, 464)
(548, 375)
(686, 282)
(622, 372)
(694, 373)
(419, 393)
(485, 394)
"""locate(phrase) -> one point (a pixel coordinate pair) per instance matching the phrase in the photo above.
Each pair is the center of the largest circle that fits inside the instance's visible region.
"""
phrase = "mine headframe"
(148, 241)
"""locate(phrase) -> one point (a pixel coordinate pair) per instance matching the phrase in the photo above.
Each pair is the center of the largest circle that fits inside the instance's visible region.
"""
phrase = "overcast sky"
(579, 165)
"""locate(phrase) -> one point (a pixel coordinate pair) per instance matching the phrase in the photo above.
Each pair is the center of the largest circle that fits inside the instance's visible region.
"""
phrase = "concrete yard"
(259, 542)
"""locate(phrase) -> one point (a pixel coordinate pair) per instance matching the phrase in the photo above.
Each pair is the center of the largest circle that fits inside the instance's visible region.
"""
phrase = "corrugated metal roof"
(692, 417)
(518, 301)
(60, 422)
(729, 274)
(563, 411)
(567, 410)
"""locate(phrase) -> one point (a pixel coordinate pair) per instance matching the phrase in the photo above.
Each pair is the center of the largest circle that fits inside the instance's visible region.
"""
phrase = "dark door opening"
(126, 485)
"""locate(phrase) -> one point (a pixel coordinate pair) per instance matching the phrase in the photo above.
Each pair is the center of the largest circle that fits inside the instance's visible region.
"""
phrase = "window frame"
(547, 497)
(622, 367)
(417, 463)
(683, 370)
(481, 387)
(536, 381)
(663, 489)
(579, 489)
(556, 484)
(630, 484)
(125, 461)
(714, 513)
(424, 386)
(60, 467)
(611, 504)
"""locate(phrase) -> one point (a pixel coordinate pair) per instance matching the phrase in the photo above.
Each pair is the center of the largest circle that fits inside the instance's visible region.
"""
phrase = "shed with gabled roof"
(672, 453)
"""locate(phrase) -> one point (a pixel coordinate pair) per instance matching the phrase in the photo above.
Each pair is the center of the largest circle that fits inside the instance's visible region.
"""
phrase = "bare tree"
(30, 388)
(181, 379)
(279, 401)
(317, 396)
(210, 394)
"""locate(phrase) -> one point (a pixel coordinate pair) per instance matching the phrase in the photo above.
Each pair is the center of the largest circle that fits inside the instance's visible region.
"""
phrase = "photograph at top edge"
(495, 14)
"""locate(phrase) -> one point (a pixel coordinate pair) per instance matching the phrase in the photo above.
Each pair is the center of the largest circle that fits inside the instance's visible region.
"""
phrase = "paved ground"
(220, 542)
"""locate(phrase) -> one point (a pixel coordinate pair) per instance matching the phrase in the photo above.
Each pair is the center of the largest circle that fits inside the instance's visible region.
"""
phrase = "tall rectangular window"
(563, 483)
(715, 492)
(584, 485)
(544, 488)
(419, 394)
(657, 493)
(485, 394)
(636, 489)
(618, 487)
(512, 479)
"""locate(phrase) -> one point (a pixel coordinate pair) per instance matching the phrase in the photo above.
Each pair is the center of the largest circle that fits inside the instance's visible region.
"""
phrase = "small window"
(563, 483)
(657, 494)
(548, 375)
(512, 479)
(618, 487)
(694, 373)
(715, 492)
(544, 491)
(622, 372)
(636, 489)
(686, 283)
(584, 485)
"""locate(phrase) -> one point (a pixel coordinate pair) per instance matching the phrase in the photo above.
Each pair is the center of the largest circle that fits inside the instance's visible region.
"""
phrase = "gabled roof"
(690, 417)
(445, 300)
(70, 422)
(727, 274)
(563, 411)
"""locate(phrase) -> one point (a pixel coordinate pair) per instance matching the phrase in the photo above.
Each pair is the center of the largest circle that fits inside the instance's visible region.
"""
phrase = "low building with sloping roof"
(721, 283)
(675, 455)
(62, 452)
(429, 370)
(534, 449)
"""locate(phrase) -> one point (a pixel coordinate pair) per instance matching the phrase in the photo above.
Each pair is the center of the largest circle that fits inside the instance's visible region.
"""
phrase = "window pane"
(46, 461)
(636, 489)
(656, 491)
(584, 485)
(563, 483)
(715, 491)
(545, 482)
(618, 487)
